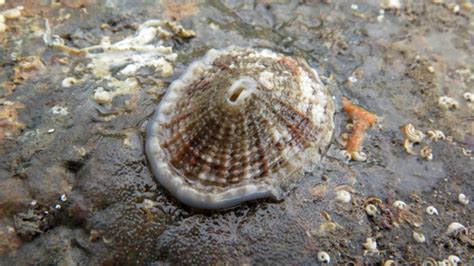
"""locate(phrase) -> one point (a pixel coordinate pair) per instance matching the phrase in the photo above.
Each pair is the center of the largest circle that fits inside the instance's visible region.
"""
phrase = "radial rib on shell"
(238, 125)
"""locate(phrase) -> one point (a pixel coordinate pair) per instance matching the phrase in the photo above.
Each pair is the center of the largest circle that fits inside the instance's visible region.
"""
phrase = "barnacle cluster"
(238, 125)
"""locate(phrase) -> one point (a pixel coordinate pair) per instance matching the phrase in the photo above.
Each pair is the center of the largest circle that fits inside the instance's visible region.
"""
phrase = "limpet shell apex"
(239, 124)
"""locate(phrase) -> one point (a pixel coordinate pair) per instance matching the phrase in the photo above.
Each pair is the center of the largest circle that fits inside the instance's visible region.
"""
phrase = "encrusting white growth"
(239, 124)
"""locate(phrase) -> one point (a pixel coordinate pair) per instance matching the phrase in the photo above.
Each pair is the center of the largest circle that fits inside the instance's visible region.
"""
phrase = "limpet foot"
(239, 124)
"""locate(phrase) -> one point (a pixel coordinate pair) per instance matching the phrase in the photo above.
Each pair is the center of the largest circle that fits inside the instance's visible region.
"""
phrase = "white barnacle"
(469, 96)
(68, 82)
(102, 96)
(454, 228)
(324, 257)
(419, 237)
(431, 210)
(370, 244)
(399, 204)
(463, 199)
(448, 103)
(371, 209)
(343, 196)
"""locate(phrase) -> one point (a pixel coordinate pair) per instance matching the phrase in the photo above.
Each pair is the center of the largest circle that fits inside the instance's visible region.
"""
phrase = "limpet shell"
(399, 204)
(239, 124)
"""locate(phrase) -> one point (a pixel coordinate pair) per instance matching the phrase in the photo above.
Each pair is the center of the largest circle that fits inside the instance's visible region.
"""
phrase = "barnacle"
(463, 199)
(371, 210)
(343, 196)
(419, 237)
(469, 96)
(399, 204)
(448, 103)
(239, 124)
(362, 120)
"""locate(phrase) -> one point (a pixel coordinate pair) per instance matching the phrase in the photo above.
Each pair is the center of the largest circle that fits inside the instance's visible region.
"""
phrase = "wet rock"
(14, 196)
(60, 246)
(36, 220)
(8, 238)
(47, 182)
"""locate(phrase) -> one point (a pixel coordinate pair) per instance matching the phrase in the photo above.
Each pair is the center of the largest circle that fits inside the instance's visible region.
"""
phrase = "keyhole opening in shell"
(241, 89)
(235, 95)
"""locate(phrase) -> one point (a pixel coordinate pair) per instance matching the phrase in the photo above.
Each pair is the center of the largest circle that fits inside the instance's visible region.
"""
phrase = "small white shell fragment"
(444, 262)
(431, 210)
(454, 260)
(354, 7)
(324, 257)
(392, 4)
(370, 244)
(63, 197)
(389, 263)
(463, 199)
(469, 96)
(419, 237)
(343, 196)
(399, 204)
(51, 130)
(57, 207)
(456, 8)
(3, 27)
(371, 210)
(102, 96)
(359, 156)
(448, 102)
(68, 82)
(454, 227)
(58, 110)
(13, 13)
